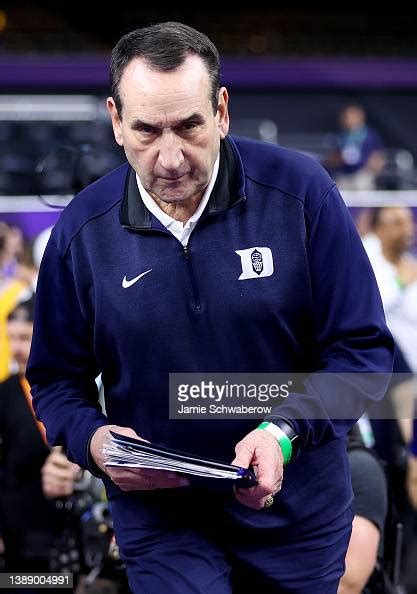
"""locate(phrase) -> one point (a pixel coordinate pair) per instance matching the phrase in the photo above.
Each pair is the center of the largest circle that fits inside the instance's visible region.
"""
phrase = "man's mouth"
(174, 178)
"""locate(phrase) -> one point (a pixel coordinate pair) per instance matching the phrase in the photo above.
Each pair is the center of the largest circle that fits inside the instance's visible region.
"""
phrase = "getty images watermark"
(243, 398)
(314, 396)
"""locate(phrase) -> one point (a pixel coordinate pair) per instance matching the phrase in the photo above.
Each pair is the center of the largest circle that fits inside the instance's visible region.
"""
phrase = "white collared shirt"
(181, 231)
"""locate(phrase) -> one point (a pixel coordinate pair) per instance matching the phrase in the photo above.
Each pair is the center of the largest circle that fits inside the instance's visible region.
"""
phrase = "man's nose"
(170, 152)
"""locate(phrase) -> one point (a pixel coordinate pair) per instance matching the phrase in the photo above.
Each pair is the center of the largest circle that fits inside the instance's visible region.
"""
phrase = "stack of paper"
(121, 450)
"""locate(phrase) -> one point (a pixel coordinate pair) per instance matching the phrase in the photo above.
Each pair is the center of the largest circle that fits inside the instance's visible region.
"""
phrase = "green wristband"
(283, 439)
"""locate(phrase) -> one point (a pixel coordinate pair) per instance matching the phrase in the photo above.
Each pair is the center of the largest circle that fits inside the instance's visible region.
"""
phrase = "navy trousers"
(184, 541)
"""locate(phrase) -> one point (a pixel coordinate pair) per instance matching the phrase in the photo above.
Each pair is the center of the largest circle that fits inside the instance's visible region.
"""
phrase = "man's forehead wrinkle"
(163, 115)
(168, 100)
(164, 120)
(163, 99)
(181, 84)
(142, 96)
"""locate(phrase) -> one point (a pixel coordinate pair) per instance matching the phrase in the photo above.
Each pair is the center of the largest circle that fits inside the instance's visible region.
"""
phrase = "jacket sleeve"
(354, 347)
(62, 367)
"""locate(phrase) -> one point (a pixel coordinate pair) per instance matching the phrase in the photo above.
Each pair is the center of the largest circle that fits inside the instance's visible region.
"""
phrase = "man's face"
(169, 132)
(20, 337)
(352, 118)
(396, 228)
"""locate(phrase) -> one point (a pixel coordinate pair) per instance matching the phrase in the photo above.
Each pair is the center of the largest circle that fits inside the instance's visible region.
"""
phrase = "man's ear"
(115, 120)
(223, 112)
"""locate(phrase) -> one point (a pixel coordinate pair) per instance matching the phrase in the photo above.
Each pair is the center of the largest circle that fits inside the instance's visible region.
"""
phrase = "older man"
(207, 253)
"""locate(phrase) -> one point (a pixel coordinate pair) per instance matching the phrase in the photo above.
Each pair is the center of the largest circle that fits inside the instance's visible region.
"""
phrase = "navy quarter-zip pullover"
(319, 310)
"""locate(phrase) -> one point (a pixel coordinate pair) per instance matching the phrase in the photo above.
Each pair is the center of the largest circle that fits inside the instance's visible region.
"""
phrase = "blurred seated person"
(31, 475)
(358, 156)
(395, 268)
(395, 441)
(11, 239)
(370, 505)
(389, 433)
(12, 288)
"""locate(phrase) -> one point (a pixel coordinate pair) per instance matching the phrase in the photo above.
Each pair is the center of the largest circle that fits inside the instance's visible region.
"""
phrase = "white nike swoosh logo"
(128, 283)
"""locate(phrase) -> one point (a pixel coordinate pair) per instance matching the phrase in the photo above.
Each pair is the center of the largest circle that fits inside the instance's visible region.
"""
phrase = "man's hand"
(132, 479)
(261, 450)
(58, 475)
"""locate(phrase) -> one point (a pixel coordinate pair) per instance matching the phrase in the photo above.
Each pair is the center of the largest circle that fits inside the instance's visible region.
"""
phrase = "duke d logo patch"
(256, 262)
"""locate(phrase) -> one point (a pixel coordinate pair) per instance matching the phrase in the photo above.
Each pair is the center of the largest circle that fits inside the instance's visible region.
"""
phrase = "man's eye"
(190, 125)
(146, 130)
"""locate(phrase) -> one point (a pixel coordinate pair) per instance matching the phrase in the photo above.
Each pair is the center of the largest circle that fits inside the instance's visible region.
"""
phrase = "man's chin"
(180, 193)
(170, 197)
(173, 194)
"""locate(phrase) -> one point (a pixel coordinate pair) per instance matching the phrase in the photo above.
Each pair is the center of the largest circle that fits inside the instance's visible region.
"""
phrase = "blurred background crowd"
(338, 86)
